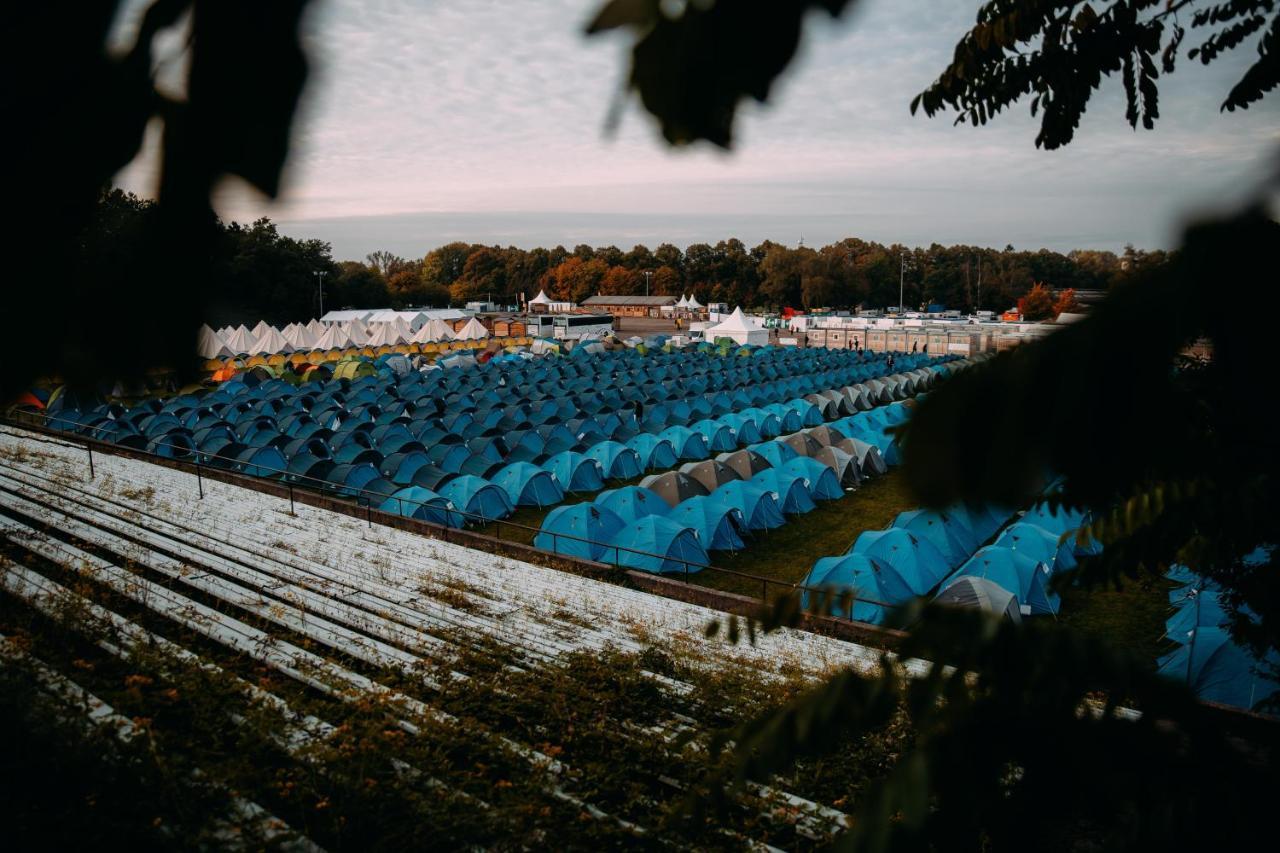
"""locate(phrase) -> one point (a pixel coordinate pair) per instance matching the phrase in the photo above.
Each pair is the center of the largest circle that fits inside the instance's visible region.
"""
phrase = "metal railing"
(198, 460)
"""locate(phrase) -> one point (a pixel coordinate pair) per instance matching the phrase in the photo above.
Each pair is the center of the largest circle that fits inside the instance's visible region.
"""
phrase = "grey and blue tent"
(791, 489)
(977, 593)
(820, 480)
(873, 584)
(718, 525)
(758, 504)
(657, 544)
(528, 485)
(422, 504)
(919, 563)
(478, 498)
(655, 453)
(746, 462)
(576, 472)
(616, 459)
(1018, 573)
(579, 530)
(632, 502)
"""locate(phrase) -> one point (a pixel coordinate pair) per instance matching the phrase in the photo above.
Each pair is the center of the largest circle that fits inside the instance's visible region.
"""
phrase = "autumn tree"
(1038, 304)
(1066, 302)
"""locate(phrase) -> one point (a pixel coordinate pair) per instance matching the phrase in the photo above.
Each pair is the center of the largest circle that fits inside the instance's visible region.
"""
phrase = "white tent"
(315, 327)
(540, 299)
(473, 331)
(270, 343)
(434, 330)
(210, 345)
(260, 329)
(357, 333)
(385, 335)
(693, 304)
(684, 302)
(240, 341)
(740, 328)
(333, 338)
(301, 337)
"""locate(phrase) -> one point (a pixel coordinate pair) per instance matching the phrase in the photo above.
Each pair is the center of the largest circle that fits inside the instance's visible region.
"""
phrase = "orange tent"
(224, 374)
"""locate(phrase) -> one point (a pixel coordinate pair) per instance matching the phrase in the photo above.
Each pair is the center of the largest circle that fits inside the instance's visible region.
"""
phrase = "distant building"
(630, 306)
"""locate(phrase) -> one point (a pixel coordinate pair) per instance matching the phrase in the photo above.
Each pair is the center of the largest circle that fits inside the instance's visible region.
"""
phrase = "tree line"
(259, 273)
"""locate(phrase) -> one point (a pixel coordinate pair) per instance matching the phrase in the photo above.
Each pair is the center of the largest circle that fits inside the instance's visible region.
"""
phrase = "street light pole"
(320, 274)
(648, 274)
(902, 274)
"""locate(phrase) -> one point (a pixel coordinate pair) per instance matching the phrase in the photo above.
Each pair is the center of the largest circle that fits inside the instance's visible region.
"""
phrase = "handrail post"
(89, 447)
(291, 509)
(199, 479)
(368, 513)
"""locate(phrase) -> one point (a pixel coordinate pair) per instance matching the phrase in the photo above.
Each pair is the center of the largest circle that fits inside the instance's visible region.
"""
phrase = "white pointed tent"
(540, 299)
(210, 345)
(270, 343)
(300, 337)
(473, 331)
(739, 327)
(684, 302)
(693, 304)
(315, 327)
(260, 329)
(385, 335)
(240, 341)
(356, 332)
(333, 338)
(434, 330)
(404, 329)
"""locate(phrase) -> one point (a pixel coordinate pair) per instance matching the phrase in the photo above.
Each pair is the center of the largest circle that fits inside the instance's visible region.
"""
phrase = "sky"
(484, 121)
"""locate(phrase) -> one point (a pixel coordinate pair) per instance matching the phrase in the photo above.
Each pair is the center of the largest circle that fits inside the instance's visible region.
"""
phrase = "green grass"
(1130, 618)
(788, 553)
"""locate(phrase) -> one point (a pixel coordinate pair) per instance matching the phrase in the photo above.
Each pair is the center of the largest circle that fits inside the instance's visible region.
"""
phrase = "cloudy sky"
(483, 121)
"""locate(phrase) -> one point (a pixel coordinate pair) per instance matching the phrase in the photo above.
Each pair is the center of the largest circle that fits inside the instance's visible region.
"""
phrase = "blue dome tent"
(616, 460)
(868, 577)
(791, 489)
(920, 564)
(1218, 670)
(688, 443)
(758, 505)
(576, 472)
(528, 485)
(657, 544)
(1017, 573)
(952, 539)
(422, 504)
(655, 453)
(579, 530)
(718, 525)
(1038, 544)
(776, 453)
(632, 502)
(821, 481)
(480, 499)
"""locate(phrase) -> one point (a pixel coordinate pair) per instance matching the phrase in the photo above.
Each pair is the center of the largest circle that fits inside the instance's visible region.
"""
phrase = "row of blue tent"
(636, 527)
(928, 550)
(361, 455)
(1205, 656)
